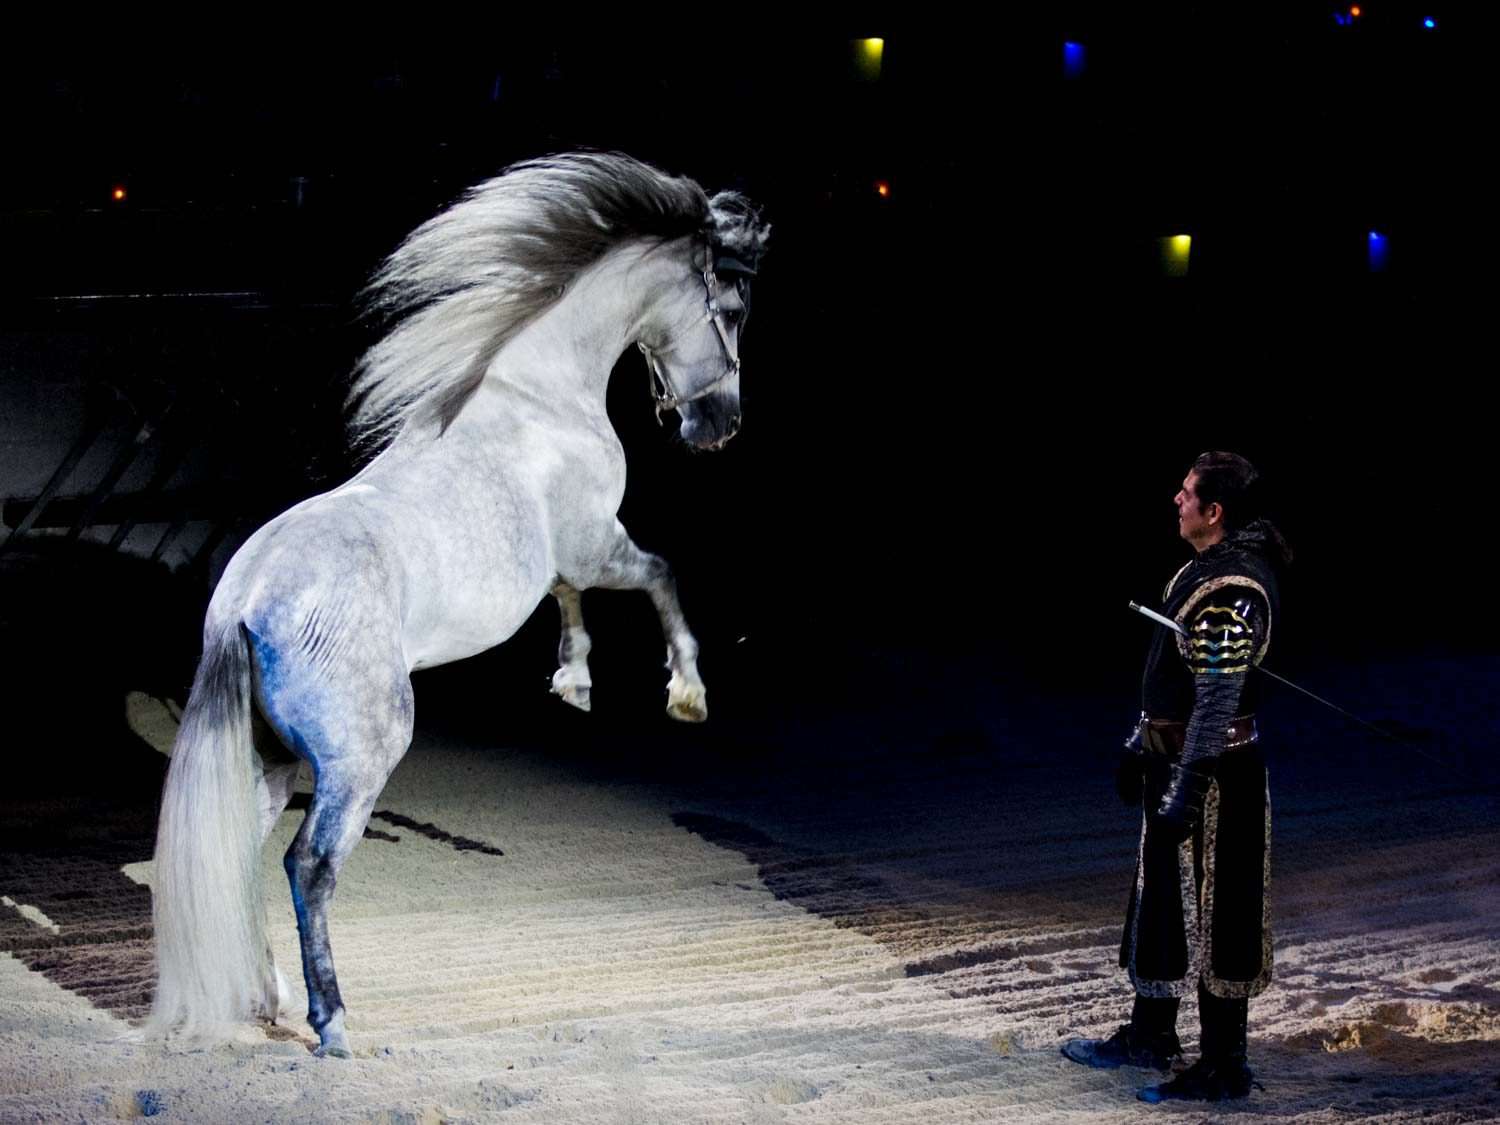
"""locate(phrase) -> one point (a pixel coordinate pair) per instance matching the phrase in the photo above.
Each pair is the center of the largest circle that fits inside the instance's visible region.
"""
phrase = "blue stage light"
(1073, 60)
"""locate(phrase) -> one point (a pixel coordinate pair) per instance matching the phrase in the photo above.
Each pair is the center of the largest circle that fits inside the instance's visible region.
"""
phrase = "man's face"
(1192, 524)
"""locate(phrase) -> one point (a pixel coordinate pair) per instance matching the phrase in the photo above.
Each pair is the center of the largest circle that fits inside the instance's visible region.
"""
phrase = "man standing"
(1199, 913)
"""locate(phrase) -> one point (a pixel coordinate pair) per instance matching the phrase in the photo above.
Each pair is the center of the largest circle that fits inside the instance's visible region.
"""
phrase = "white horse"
(499, 481)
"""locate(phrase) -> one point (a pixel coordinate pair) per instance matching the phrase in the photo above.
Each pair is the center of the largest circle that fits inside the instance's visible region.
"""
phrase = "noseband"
(662, 391)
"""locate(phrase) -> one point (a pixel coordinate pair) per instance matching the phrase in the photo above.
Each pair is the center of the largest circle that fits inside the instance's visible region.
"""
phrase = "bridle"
(662, 391)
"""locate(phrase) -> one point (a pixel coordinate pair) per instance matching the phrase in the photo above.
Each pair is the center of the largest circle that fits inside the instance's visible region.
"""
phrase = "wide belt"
(1163, 736)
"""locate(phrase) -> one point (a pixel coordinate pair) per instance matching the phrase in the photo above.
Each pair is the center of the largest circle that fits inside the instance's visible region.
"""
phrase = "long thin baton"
(1180, 631)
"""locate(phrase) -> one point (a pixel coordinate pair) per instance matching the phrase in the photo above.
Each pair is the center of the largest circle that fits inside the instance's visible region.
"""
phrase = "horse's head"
(693, 351)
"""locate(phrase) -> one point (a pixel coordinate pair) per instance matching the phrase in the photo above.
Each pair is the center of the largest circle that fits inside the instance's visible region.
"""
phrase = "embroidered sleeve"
(1226, 633)
(1227, 626)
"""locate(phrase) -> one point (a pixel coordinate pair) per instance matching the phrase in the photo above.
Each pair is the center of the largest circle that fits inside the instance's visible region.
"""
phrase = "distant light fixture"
(1073, 60)
(883, 189)
(118, 195)
(1175, 254)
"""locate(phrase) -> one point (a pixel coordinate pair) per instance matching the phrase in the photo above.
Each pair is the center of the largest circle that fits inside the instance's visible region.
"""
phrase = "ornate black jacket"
(1227, 599)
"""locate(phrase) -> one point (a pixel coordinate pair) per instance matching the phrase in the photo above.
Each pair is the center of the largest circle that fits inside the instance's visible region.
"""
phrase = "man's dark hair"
(1229, 480)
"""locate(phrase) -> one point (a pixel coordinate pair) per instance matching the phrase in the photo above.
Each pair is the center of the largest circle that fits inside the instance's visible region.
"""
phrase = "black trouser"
(1223, 1022)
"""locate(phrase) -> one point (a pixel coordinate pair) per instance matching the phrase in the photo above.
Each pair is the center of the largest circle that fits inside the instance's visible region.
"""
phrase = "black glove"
(1182, 804)
(1130, 778)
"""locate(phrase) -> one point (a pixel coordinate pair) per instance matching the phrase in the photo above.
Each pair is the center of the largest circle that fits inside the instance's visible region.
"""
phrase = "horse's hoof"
(277, 998)
(685, 714)
(688, 704)
(334, 1039)
(570, 691)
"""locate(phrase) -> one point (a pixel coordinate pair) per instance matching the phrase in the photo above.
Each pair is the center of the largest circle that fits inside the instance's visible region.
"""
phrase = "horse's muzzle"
(710, 422)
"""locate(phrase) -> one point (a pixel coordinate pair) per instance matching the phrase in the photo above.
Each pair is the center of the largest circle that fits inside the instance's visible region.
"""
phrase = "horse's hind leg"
(571, 680)
(278, 777)
(342, 800)
(353, 731)
(630, 568)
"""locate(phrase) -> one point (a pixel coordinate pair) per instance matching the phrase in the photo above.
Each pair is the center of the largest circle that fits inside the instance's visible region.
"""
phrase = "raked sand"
(771, 948)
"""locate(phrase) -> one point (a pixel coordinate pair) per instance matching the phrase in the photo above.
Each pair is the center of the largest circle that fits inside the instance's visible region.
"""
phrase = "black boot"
(1148, 1040)
(1223, 1071)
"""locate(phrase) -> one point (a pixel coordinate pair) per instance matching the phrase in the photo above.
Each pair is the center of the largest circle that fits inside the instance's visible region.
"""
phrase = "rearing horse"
(499, 482)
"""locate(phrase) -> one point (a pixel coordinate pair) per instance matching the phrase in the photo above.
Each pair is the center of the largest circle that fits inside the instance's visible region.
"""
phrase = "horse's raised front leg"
(630, 568)
(571, 680)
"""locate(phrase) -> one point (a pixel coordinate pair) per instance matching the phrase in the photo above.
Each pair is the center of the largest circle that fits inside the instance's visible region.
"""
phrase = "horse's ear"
(737, 227)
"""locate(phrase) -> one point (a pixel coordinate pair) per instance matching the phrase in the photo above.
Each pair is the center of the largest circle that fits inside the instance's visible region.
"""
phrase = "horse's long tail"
(212, 960)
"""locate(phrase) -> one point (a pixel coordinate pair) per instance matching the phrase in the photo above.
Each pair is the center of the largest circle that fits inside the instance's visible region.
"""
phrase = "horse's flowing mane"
(465, 282)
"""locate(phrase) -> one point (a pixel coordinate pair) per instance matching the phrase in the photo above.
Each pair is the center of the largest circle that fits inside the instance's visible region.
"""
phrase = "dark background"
(968, 403)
